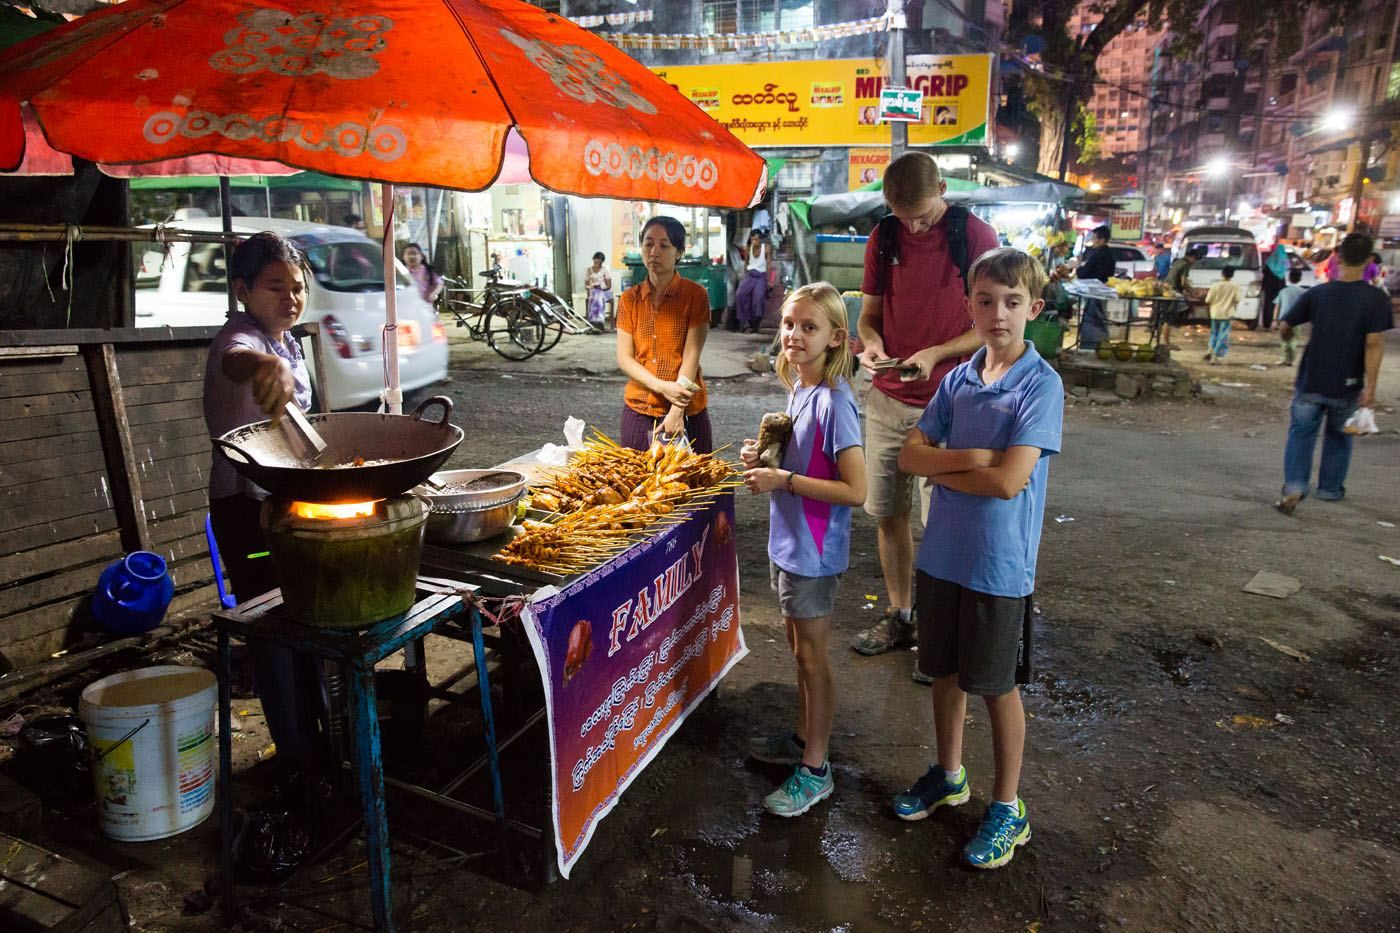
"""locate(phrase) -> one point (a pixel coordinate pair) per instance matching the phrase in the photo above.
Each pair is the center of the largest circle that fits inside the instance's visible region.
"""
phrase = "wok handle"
(442, 400)
(228, 448)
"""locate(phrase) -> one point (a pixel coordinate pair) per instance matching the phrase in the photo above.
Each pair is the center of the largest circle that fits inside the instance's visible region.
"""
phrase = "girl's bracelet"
(788, 484)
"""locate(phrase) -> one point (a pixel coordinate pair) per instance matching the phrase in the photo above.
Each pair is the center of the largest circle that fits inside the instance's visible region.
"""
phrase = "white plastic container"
(153, 743)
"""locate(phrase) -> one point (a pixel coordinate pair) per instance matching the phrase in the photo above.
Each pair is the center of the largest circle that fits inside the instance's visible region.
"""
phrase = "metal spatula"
(301, 436)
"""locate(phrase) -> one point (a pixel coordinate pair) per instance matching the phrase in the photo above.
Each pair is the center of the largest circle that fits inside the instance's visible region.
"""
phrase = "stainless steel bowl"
(463, 526)
(448, 500)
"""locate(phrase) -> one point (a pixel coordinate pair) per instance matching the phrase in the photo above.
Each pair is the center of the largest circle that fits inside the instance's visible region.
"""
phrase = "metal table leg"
(225, 789)
(484, 688)
(369, 771)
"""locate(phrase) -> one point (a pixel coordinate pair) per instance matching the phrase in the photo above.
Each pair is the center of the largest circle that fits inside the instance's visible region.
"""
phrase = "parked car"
(1221, 247)
(184, 285)
(1131, 261)
(1296, 261)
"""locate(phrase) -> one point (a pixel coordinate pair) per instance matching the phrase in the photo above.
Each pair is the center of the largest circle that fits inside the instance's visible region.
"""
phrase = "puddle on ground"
(1176, 664)
(815, 872)
(1062, 699)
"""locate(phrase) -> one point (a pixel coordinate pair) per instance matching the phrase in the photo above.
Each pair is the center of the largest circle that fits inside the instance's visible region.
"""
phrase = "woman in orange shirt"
(662, 324)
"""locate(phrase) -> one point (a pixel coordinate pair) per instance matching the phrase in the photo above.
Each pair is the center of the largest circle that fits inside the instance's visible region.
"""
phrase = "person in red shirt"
(915, 311)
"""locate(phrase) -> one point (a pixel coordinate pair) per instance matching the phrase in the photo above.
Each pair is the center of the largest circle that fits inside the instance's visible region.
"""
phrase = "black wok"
(399, 451)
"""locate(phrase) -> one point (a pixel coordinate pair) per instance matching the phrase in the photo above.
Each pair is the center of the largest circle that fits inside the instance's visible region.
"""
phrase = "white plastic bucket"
(152, 737)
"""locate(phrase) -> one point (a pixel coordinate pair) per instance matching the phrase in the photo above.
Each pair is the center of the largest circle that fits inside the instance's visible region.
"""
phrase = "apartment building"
(1248, 135)
(1121, 98)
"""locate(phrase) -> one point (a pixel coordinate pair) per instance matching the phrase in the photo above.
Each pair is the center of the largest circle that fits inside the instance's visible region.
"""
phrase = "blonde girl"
(821, 478)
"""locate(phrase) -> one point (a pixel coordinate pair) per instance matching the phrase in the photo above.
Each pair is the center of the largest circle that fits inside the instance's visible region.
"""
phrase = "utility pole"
(1358, 181)
(899, 75)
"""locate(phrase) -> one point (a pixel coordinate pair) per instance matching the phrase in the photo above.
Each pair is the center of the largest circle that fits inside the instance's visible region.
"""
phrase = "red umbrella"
(417, 92)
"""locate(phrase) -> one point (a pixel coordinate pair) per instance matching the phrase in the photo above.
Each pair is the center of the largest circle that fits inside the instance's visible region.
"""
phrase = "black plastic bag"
(275, 839)
(54, 759)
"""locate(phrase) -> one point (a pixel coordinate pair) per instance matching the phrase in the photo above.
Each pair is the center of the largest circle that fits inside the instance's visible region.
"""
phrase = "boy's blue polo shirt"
(982, 542)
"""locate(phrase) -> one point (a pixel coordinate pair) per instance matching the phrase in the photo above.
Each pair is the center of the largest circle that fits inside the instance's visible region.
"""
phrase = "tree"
(1069, 71)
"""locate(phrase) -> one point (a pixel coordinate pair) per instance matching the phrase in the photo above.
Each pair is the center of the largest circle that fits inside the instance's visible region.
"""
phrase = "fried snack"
(773, 433)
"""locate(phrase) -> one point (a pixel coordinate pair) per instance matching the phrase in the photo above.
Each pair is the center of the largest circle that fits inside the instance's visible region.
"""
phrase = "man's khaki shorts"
(888, 491)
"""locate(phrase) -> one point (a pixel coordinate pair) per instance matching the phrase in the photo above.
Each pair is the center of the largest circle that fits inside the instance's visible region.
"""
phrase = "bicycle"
(505, 315)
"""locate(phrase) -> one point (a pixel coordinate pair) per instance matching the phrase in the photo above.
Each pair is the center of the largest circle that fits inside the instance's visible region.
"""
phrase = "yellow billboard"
(836, 103)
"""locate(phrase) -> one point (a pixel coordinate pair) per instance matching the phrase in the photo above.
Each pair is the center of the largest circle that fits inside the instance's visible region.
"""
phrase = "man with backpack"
(915, 328)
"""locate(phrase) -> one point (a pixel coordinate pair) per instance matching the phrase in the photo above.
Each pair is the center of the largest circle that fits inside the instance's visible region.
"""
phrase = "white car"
(1219, 247)
(1131, 261)
(184, 285)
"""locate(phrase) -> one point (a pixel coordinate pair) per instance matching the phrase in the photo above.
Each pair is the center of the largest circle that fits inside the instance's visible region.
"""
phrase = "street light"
(1218, 166)
(1338, 120)
(1012, 151)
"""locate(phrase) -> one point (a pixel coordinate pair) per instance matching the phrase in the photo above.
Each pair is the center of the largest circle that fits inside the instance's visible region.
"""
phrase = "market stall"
(628, 570)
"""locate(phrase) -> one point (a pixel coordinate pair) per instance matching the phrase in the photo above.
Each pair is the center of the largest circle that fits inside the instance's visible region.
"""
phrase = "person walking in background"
(1283, 304)
(1275, 272)
(1337, 374)
(423, 274)
(662, 324)
(913, 312)
(751, 300)
(1223, 298)
(1096, 263)
(811, 494)
(1162, 261)
(597, 281)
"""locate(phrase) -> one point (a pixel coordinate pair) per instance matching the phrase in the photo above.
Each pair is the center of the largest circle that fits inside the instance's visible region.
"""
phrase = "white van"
(1220, 247)
(184, 285)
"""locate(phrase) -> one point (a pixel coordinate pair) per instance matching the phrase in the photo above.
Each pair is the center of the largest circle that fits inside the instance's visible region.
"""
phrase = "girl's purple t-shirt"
(807, 537)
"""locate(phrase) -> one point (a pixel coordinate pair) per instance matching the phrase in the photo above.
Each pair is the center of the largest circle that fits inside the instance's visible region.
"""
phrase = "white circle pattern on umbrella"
(275, 41)
(581, 74)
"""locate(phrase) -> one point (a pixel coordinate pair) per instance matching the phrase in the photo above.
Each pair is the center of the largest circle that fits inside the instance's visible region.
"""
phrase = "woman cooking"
(254, 369)
(662, 324)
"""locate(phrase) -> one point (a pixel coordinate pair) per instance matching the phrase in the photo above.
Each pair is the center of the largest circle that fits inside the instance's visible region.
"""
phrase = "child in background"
(1286, 297)
(1223, 298)
(999, 416)
(598, 281)
(821, 479)
(255, 367)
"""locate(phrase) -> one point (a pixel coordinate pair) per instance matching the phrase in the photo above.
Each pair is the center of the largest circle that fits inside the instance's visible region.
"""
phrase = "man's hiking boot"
(890, 632)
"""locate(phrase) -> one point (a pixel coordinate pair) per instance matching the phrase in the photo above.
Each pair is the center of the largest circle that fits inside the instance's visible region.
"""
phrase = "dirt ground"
(1197, 757)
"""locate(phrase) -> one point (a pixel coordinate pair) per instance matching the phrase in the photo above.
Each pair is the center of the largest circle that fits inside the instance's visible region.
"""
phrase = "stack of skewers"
(609, 498)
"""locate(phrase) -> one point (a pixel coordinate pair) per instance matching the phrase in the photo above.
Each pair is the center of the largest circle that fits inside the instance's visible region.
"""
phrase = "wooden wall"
(103, 451)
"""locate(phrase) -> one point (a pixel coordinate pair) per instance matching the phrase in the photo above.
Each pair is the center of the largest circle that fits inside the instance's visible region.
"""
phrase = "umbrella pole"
(226, 211)
(393, 397)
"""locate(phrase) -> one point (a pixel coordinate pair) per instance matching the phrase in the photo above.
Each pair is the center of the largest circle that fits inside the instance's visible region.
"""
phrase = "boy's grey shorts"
(802, 597)
(984, 639)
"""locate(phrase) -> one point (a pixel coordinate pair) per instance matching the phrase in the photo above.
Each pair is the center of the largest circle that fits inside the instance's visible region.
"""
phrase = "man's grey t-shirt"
(228, 405)
(1342, 314)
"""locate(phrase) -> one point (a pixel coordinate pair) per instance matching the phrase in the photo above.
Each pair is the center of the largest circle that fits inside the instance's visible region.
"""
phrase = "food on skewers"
(607, 497)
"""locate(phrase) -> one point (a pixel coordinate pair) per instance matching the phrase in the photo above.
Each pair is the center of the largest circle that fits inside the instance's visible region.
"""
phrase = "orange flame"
(331, 511)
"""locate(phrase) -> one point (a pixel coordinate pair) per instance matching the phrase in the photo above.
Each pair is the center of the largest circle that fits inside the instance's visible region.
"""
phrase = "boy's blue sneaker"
(800, 792)
(1002, 830)
(778, 749)
(930, 792)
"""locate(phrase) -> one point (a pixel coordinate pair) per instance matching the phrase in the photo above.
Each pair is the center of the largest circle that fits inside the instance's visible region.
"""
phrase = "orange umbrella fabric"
(417, 92)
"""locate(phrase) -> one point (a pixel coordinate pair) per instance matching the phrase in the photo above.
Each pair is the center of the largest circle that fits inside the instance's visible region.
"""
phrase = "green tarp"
(301, 181)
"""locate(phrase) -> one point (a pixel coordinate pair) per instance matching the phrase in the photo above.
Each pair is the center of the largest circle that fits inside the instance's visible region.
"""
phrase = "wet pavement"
(1182, 771)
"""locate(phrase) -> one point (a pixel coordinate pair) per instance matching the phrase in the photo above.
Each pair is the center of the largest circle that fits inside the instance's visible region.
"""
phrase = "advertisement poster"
(626, 653)
(837, 103)
(866, 166)
(1126, 220)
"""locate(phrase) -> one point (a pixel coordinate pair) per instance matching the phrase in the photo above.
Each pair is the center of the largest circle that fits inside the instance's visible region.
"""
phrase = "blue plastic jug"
(133, 593)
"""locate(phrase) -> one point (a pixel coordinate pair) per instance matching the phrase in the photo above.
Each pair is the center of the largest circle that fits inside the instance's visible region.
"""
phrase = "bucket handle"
(120, 742)
(442, 400)
(243, 455)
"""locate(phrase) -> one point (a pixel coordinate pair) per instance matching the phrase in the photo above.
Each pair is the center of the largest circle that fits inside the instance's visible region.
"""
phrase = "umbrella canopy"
(416, 92)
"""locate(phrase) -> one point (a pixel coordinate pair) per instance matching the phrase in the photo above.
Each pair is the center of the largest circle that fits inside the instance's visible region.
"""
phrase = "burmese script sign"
(837, 103)
(626, 652)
